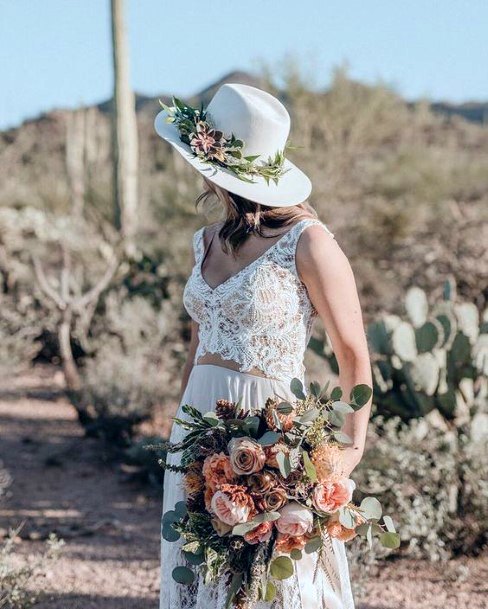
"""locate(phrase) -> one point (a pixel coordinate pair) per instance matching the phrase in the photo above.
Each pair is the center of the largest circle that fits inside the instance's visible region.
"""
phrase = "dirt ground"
(65, 483)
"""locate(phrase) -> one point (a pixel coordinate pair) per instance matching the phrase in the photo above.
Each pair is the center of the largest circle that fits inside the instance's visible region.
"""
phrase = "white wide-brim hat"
(263, 124)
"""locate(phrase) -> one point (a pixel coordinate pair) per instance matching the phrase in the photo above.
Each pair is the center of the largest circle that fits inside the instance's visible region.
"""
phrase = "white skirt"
(324, 586)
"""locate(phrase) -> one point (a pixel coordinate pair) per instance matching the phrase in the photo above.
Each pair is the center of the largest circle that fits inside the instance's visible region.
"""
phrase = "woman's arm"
(327, 274)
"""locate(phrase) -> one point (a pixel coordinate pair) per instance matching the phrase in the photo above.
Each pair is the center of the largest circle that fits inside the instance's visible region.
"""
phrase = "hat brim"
(293, 186)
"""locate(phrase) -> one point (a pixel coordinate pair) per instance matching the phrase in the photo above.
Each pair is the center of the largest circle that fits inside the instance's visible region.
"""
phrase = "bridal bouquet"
(265, 485)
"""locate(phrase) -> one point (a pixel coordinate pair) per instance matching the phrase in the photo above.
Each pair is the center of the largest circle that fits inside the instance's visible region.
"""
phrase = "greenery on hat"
(212, 146)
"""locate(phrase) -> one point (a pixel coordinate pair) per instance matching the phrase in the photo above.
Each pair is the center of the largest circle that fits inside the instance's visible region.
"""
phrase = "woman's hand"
(327, 274)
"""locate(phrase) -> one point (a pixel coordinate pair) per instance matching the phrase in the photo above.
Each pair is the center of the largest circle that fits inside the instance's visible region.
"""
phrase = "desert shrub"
(144, 456)
(5, 480)
(130, 369)
(432, 480)
(16, 574)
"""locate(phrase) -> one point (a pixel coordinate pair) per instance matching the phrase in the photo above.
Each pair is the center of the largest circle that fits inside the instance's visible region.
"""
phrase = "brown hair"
(243, 217)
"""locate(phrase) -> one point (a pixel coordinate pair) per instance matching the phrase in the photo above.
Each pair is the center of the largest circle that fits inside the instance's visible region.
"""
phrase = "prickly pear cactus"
(425, 362)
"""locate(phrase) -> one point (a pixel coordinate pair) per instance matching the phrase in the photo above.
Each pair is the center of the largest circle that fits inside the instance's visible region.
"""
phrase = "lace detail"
(262, 316)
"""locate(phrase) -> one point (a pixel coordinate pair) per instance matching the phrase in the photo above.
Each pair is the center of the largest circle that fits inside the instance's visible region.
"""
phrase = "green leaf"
(371, 508)
(270, 592)
(309, 467)
(282, 567)
(313, 545)
(390, 540)
(269, 438)
(284, 408)
(315, 389)
(193, 559)
(245, 527)
(342, 407)
(169, 533)
(389, 524)
(234, 586)
(309, 415)
(296, 554)
(296, 387)
(336, 393)
(283, 463)
(336, 418)
(252, 425)
(369, 536)
(183, 575)
(180, 509)
(342, 437)
(211, 418)
(252, 158)
(360, 395)
(346, 518)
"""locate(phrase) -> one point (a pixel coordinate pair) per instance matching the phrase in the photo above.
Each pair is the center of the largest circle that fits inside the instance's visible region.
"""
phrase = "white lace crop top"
(261, 317)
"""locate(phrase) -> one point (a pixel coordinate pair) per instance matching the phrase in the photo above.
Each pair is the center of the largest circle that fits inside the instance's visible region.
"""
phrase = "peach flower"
(338, 531)
(287, 543)
(329, 497)
(217, 470)
(246, 456)
(231, 504)
(272, 451)
(295, 519)
(261, 533)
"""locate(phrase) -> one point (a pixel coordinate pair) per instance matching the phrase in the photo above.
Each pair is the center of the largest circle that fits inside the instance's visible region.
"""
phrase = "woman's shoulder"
(317, 246)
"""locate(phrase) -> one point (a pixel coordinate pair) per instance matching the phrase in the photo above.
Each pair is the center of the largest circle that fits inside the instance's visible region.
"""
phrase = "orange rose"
(329, 497)
(217, 470)
(336, 530)
(261, 533)
(287, 543)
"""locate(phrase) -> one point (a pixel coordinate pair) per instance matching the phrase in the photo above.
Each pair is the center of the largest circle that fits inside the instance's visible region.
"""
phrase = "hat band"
(212, 146)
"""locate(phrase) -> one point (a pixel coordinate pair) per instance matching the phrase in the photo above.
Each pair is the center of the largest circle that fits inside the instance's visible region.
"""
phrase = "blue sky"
(56, 53)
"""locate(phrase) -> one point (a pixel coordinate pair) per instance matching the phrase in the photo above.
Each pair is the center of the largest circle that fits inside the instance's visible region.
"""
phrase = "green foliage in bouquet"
(265, 485)
(212, 146)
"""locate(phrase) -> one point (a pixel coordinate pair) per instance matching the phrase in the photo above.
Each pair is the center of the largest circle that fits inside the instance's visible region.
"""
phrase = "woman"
(261, 277)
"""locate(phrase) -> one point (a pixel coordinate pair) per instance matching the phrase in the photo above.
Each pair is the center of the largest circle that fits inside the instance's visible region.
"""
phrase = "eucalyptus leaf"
(346, 518)
(360, 395)
(183, 575)
(390, 540)
(342, 407)
(296, 554)
(269, 438)
(283, 463)
(284, 408)
(234, 586)
(336, 418)
(336, 393)
(296, 387)
(309, 467)
(282, 567)
(313, 545)
(211, 418)
(315, 389)
(342, 437)
(193, 559)
(180, 509)
(169, 533)
(371, 508)
(389, 524)
(270, 592)
(309, 415)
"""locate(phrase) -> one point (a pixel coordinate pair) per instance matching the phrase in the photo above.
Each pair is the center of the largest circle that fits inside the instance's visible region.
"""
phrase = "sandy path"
(111, 525)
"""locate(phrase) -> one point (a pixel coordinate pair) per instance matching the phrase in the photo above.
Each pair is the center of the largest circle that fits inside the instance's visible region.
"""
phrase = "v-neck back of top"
(259, 317)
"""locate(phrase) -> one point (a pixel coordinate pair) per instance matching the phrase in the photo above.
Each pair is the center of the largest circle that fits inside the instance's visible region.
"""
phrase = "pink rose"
(329, 497)
(261, 533)
(231, 504)
(295, 519)
(246, 456)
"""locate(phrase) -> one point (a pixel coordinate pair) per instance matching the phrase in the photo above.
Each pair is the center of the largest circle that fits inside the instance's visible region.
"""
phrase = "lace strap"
(198, 245)
(298, 229)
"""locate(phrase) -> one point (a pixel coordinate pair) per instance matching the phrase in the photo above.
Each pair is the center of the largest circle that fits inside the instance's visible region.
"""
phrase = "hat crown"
(257, 118)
